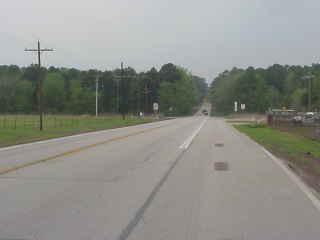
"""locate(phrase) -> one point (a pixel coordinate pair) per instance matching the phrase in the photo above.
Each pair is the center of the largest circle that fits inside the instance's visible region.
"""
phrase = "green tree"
(54, 94)
(180, 95)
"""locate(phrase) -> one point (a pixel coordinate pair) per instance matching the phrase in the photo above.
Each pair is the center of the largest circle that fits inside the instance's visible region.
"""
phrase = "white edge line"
(73, 136)
(303, 187)
(185, 145)
(296, 179)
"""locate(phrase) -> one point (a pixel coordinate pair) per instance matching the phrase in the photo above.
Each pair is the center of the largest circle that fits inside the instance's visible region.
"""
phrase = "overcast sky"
(205, 36)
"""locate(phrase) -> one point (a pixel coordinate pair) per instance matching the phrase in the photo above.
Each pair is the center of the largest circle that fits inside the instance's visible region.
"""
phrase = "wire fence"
(8, 121)
(55, 122)
(297, 123)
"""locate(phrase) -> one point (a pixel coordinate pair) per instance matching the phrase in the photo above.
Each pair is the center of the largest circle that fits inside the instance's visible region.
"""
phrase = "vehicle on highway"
(205, 112)
(281, 115)
(297, 119)
(309, 117)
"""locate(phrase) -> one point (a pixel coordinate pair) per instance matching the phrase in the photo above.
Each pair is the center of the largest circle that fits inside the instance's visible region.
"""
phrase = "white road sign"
(155, 106)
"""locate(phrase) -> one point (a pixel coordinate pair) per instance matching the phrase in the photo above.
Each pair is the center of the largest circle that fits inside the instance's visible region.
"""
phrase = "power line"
(145, 91)
(40, 81)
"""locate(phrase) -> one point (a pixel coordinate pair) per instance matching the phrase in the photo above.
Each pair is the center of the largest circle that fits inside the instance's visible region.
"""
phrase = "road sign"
(155, 106)
(243, 106)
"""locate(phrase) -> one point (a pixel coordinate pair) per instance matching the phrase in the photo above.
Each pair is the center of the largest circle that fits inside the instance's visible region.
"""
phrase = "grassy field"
(239, 121)
(282, 141)
(17, 129)
(300, 153)
(308, 131)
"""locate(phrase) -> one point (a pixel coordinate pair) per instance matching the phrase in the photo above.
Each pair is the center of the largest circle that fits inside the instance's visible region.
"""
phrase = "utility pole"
(121, 80)
(102, 86)
(97, 86)
(40, 81)
(139, 95)
(146, 92)
(309, 94)
(309, 78)
(118, 79)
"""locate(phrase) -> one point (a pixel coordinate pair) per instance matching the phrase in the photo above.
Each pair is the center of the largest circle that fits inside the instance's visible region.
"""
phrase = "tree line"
(69, 90)
(277, 86)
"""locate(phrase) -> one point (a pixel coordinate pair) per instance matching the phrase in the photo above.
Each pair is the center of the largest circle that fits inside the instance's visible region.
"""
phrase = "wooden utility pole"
(309, 94)
(309, 77)
(97, 90)
(146, 92)
(121, 80)
(40, 81)
(118, 79)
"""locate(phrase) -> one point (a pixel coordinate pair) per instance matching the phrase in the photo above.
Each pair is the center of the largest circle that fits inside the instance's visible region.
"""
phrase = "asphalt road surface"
(153, 182)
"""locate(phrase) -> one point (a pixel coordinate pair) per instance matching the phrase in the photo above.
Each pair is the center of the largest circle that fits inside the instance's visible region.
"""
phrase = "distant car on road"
(205, 112)
(297, 119)
(309, 117)
(309, 114)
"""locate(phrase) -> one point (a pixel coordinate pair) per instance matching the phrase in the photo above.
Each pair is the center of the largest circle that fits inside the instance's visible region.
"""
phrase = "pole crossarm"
(41, 50)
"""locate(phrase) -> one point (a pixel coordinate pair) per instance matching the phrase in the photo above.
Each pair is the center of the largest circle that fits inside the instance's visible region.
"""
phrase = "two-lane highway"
(152, 181)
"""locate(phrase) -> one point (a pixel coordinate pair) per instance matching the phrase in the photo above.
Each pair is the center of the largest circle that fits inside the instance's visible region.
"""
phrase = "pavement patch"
(221, 166)
(219, 145)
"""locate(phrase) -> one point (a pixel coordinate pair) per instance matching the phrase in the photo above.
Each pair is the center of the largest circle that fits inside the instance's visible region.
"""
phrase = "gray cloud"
(206, 36)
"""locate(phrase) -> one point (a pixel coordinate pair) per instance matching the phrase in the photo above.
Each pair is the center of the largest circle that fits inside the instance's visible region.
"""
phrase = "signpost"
(155, 108)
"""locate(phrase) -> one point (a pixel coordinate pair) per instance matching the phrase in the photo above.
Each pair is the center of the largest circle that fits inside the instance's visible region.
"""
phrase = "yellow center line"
(76, 150)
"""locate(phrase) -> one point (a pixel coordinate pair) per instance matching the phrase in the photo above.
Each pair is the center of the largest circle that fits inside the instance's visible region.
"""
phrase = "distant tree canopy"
(275, 87)
(73, 91)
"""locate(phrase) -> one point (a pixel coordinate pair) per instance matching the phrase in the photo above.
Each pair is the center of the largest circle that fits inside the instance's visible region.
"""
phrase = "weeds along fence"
(306, 128)
(20, 121)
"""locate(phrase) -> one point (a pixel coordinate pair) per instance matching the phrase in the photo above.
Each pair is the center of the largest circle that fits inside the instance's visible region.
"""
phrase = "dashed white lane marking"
(185, 145)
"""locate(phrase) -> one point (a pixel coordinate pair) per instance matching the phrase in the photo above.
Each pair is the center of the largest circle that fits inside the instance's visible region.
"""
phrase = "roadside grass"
(285, 142)
(18, 129)
(239, 121)
(308, 131)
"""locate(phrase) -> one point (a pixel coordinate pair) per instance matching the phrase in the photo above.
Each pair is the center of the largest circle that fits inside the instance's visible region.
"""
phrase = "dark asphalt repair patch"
(219, 145)
(221, 166)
